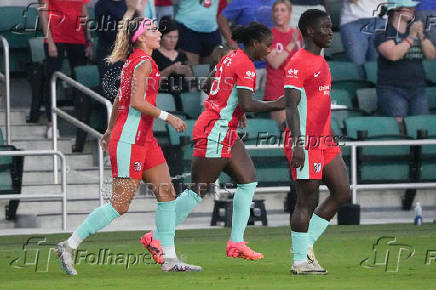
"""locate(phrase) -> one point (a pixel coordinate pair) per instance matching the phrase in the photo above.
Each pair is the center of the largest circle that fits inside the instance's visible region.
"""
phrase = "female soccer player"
(313, 156)
(134, 152)
(217, 145)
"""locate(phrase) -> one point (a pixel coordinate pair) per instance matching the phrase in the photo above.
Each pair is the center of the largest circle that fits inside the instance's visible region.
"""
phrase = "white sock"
(297, 263)
(74, 241)
(169, 252)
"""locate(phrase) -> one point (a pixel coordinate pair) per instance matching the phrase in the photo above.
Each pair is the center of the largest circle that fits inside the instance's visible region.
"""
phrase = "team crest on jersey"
(138, 166)
(317, 167)
(293, 73)
(250, 74)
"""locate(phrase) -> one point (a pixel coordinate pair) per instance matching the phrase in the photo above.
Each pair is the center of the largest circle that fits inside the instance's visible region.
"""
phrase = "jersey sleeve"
(294, 74)
(245, 75)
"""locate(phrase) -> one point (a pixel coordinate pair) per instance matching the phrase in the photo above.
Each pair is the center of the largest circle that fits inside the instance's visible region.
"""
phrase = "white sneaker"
(312, 259)
(66, 257)
(175, 265)
(307, 268)
(49, 133)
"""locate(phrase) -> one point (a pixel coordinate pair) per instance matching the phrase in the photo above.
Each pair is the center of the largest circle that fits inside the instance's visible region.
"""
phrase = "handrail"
(5, 44)
(354, 144)
(63, 194)
(67, 117)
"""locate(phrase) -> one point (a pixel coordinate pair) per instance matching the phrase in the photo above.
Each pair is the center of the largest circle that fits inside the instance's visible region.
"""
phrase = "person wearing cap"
(401, 77)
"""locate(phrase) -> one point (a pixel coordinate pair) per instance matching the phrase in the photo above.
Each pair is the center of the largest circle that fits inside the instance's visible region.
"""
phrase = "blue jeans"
(428, 18)
(401, 102)
(358, 40)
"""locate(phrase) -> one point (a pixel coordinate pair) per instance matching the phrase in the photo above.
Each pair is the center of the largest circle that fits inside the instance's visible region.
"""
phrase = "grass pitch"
(340, 250)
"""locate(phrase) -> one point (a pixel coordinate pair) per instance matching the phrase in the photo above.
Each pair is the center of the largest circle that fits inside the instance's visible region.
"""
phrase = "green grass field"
(340, 250)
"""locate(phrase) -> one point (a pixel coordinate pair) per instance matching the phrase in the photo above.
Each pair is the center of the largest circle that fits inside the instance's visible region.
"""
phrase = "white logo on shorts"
(138, 166)
(317, 167)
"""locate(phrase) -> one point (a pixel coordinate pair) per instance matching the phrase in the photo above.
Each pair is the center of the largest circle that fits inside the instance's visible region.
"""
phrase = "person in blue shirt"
(242, 12)
(198, 29)
(426, 12)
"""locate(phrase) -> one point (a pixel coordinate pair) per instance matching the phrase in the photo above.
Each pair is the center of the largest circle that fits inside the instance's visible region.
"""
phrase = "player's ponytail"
(247, 34)
(123, 45)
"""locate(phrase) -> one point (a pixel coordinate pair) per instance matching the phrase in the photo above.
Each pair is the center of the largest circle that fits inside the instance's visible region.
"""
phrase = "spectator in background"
(171, 63)
(426, 12)
(401, 76)
(196, 20)
(358, 25)
(242, 12)
(164, 8)
(63, 35)
(109, 13)
(300, 6)
(286, 42)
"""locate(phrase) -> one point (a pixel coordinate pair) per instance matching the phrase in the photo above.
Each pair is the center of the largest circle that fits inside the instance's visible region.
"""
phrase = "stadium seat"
(87, 75)
(200, 70)
(431, 94)
(343, 97)
(182, 148)
(336, 50)
(258, 94)
(430, 70)
(343, 71)
(379, 164)
(351, 86)
(371, 68)
(426, 154)
(257, 128)
(367, 100)
(191, 104)
(166, 102)
(36, 45)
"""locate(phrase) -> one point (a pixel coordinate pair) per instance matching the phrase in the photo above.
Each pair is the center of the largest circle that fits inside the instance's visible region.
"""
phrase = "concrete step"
(18, 117)
(74, 176)
(64, 144)
(75, 161)
(27, 131)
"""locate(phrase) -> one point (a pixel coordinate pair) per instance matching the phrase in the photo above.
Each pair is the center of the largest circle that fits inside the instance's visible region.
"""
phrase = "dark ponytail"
(251, 32)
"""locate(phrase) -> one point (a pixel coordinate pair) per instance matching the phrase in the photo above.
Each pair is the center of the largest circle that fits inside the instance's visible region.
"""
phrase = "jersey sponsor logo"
(317, 167)
(137, 166)
(323, 88)
(316, 74)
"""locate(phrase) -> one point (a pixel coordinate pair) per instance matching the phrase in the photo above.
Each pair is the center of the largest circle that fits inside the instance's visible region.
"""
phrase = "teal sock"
(299, 245)
(185, 203)
(165, 223)
(96, 220)
(317, 226)
(241, 210)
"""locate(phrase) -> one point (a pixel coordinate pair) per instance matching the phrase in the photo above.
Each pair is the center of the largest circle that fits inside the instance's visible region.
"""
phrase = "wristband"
(163, 115)
(408, 41)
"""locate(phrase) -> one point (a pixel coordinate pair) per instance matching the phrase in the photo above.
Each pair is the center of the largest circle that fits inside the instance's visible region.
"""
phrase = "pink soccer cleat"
(241, 250)
(153, 246)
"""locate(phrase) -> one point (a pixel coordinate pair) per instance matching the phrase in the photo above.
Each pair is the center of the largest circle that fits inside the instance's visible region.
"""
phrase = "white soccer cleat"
(66, 257)
(312, 259)
(307, 268)
(175, 265)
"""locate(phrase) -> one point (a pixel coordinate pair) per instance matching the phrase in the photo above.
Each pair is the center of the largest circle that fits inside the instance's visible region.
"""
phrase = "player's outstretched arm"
(248, 104)
(208, 83)
(293, 97)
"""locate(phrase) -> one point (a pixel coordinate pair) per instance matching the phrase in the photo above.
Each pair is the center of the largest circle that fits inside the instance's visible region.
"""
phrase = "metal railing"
(354, 186)
(62, 195)
(6, 78)
(67, 117)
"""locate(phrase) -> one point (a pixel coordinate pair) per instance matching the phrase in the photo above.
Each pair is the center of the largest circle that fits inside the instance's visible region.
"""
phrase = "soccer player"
(217, 147)
(133, 150)
(313, 155)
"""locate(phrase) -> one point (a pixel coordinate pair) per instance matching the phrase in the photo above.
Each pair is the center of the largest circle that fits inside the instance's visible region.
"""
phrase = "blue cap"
(394, 4)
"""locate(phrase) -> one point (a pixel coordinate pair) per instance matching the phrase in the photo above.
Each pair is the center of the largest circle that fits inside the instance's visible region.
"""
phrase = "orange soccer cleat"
(153, 246)
(241, 250)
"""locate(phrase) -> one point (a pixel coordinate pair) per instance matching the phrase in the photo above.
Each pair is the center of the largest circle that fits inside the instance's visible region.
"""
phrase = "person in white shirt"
(359, 22)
